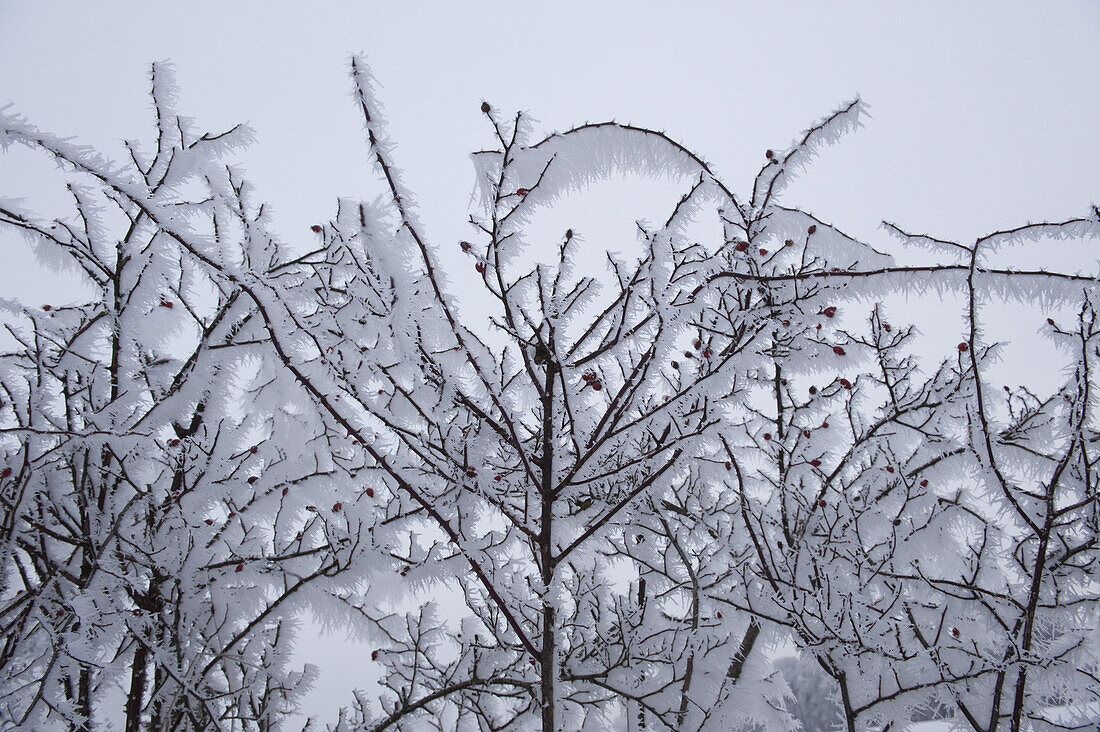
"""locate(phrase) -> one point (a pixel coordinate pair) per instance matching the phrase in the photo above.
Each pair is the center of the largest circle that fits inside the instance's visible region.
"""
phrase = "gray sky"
(984, 114)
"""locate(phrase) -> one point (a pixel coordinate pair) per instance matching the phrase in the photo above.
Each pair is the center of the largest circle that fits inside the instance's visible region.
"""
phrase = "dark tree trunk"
(546, 552)
(139, 674)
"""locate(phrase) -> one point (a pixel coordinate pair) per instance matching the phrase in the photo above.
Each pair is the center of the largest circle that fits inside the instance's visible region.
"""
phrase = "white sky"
(984, 114)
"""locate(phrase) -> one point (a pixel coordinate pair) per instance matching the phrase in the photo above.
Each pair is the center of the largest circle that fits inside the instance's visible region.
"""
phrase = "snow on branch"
(784, 168)
(572, 509)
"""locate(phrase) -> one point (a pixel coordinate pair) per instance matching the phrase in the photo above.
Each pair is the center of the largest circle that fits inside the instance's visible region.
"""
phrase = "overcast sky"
(984, 115)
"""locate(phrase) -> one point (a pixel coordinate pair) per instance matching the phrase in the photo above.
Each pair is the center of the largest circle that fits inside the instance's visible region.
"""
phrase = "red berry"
(786, 323)
(370, 492)
(822, 503)
(805, 433)
(337, 506)
(465, 245)
(718, 615)
(173, 442)
(789, 243)
(597, 385)
(254, 449)
(47, 308)
(742, 246)
(374, 654)
(136, 612)
(763, 252)
(5, 472)
(1050, 321)
(208, 522)
(286, 490)
(825, 425)
(886, 327)
(706, 353)
(767, 435)
(838, 350)
(769, 155)
(729, 465)
(316, 228)
(484, 110)
(240, 567)
(521, 191)
(232, 514)
(697, 343)
(846, 384)
(829, 311)
(480, 267)
(166, 304)
(812, 229)
(889, 468)
(497, 478)
(955, 632)
(311, 508)
(816, 463)
(963, 347)
(924, 484)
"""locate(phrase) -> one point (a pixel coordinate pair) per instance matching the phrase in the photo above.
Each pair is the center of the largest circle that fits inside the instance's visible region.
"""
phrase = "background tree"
(814, 702)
